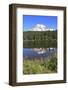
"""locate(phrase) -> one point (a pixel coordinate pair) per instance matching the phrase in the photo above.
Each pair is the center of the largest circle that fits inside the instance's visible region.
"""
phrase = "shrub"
(52, 64)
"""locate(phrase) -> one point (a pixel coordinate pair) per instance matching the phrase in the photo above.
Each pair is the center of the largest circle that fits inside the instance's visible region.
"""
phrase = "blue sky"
(30, 21)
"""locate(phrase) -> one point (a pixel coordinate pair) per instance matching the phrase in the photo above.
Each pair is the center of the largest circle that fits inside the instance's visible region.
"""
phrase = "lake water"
(31, 53)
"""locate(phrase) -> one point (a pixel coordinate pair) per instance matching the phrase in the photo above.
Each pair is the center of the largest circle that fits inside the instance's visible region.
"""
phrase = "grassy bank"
(37, 66)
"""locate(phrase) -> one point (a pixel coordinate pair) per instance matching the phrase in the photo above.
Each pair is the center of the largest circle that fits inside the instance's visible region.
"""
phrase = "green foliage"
(52, 64)
(38, 67)
(39, 39)
(35, 35)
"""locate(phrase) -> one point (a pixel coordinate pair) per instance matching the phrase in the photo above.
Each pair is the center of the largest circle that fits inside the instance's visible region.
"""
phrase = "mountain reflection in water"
(31, 53)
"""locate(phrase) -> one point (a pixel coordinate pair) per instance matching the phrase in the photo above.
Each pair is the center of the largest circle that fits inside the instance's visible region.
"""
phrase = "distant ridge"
(41, 27)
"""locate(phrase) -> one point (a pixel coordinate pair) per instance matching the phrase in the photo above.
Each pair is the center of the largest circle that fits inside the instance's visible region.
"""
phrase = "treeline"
(40, 39)
(40, 35)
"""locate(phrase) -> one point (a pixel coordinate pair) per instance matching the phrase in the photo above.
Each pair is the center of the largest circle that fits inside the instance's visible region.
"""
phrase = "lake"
(34, 53)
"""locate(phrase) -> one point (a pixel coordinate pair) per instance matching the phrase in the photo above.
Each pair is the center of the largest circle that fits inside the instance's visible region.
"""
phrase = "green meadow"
(40, 66)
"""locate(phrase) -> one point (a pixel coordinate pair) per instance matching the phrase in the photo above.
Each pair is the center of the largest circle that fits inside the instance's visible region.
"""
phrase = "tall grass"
(36, 66)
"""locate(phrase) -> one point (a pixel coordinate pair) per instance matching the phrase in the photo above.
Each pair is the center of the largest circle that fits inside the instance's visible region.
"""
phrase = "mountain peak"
(42, 27)
(39, 27)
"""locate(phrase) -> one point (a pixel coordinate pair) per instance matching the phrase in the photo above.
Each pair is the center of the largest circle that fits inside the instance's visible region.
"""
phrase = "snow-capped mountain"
(41, 27)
